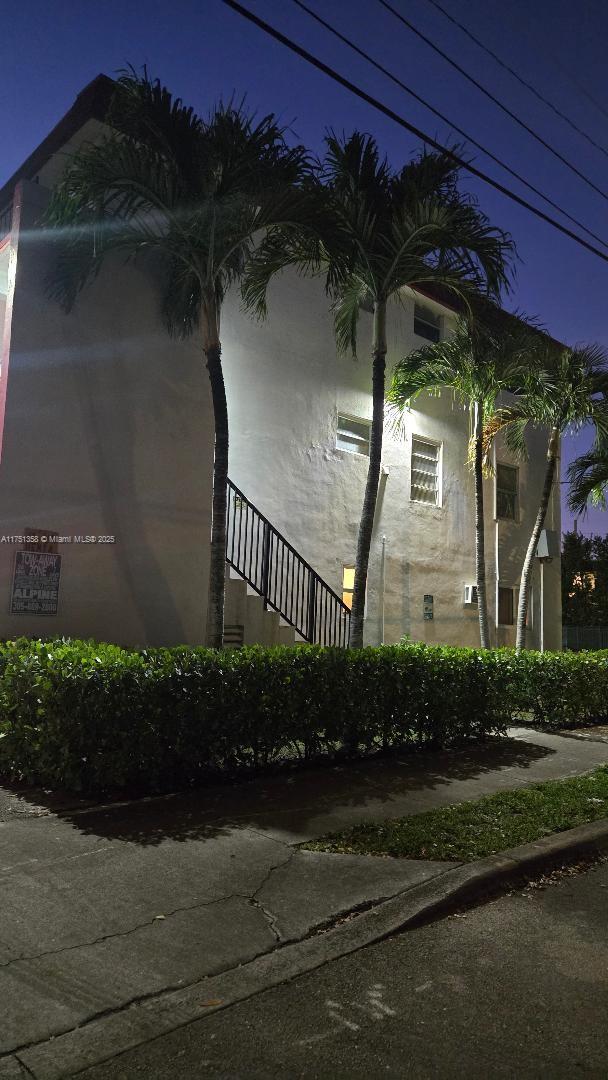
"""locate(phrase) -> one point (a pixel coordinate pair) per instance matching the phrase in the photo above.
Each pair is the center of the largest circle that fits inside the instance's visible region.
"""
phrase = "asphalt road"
(515, 988)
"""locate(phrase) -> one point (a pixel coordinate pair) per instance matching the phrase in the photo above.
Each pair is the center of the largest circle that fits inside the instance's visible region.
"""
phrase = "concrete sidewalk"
(103, 907)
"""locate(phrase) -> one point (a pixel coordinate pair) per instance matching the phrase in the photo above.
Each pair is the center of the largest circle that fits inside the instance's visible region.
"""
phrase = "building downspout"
(382, 583)
(542, 605)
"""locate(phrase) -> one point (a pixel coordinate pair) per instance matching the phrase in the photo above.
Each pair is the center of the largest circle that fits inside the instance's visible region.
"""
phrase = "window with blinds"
(353, 435)
(425, 472)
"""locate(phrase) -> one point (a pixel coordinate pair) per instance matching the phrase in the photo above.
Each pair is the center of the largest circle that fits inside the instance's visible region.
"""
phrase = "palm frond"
(430, 175)
(146, 114)
(512, 423)
(588, 480)
(198, 193)
(346, 308)
(477, 361)
(182, 299)
(373, 231)
(428, 368)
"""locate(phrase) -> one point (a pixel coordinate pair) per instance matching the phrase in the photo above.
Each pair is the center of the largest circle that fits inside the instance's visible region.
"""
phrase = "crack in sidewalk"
(118, 933)
(25, 1067)
(143, 999)
(270, 917)
(247, 897)
(113, 1010)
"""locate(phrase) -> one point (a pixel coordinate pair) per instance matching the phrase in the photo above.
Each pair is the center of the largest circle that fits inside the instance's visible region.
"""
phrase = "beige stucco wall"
(285, 386)
(107, 433)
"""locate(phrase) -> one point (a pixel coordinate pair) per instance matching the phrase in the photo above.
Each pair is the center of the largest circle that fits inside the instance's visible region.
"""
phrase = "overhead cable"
(392, 115)
(408, 90)
(492, 97)
(524, 82)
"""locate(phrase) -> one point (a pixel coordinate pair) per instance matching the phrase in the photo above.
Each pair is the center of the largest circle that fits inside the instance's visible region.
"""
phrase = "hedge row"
(561, 689)
(88, 716)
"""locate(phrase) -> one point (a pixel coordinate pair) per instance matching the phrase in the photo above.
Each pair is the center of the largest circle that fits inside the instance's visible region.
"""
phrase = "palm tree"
(379, 231)
(564, 390)
(195, 193)
(480, 359)
(588, 479)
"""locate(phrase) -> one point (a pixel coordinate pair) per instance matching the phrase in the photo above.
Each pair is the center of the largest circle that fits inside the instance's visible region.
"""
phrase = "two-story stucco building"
(107, 433)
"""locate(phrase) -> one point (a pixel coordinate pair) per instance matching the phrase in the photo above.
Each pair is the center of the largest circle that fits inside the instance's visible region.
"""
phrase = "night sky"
(204, 50)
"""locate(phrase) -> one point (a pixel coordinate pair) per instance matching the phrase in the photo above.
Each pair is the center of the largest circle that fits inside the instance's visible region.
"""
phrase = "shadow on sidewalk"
(295, 798)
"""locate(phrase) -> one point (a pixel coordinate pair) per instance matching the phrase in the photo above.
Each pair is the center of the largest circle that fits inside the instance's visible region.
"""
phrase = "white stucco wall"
(107, 432)
(285, 386)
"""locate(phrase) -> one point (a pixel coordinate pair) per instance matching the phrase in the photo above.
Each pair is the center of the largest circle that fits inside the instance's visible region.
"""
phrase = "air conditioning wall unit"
(470, 594)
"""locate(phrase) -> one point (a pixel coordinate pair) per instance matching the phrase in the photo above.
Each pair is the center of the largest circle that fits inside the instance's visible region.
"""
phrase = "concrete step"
(235, 603)
(246, 620)
(286, 634)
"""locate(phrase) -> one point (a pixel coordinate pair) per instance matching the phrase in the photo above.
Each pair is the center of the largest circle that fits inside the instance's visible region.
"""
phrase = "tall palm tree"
(380, 231)
(481, 358)
(194, 192)
(565, 389)
(588, 479)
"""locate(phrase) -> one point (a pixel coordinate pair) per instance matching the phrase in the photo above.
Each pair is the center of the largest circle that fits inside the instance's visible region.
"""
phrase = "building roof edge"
(91, 104)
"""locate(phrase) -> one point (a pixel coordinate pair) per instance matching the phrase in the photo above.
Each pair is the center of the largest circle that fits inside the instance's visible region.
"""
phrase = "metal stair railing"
(285, 581)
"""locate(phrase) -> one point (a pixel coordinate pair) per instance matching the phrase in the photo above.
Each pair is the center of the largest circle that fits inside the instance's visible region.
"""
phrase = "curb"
(69, 1054)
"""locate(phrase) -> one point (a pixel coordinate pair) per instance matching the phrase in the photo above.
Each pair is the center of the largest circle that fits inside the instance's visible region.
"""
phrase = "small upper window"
(425, 472)
(506, 492)
(426, 323)
(353, 435)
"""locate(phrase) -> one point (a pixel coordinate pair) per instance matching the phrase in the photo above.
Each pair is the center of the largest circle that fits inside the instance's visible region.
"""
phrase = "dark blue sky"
(202, 50)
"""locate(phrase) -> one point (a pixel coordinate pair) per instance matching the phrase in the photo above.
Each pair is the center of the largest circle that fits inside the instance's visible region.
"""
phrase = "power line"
(559, 64)
(392, 115)
(579, 86)
(446, 120)
(529, 86)
(495, 100)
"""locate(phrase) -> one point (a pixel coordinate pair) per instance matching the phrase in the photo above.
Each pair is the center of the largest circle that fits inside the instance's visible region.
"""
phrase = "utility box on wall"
(548, 545)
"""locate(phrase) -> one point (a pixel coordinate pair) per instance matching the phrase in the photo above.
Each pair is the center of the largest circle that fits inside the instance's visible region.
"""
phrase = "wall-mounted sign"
(427, 607)
(35, 583)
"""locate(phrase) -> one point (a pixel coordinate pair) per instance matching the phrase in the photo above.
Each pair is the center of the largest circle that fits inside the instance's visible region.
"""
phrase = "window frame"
(345, 591)
(341, 416)
(504, 491)
(439, 447)
(421, 317)
(511, 590)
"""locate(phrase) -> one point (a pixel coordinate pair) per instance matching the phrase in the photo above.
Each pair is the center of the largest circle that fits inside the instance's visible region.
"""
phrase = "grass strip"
(472, 830)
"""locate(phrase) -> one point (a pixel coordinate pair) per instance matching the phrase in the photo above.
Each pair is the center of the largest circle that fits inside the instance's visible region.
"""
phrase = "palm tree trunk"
(480, 554)
(526, 574)
(217, 568)
(373, 476)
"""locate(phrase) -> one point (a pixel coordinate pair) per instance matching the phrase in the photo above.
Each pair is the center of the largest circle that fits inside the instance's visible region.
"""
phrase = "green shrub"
(562, 689)
(89, 716)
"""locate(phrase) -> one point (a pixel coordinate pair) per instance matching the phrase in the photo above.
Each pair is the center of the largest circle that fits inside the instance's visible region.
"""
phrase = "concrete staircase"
(262, 563)
(247, 622)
